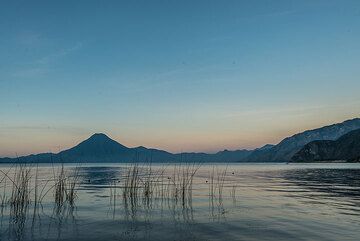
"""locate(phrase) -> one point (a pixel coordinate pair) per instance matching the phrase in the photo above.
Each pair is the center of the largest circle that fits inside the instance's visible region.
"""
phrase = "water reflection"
(95, 177)
(36, 224)
(241, 204)
(326, 182)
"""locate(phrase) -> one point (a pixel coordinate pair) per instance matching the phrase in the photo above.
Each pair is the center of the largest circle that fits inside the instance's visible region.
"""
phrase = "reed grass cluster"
(21, 186)
(182, 182)
(21, 189)
(65, 186)
(138, 185)
(217, 181)
(141, 184)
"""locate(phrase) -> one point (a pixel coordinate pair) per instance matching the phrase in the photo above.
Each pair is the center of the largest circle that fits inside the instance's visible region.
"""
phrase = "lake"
(182, 202)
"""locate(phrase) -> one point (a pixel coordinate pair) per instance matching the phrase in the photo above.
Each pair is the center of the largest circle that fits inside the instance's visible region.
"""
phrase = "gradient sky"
(175, 75)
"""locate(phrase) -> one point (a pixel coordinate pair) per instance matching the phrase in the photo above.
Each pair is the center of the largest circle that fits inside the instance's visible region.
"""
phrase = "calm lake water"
(241, 202)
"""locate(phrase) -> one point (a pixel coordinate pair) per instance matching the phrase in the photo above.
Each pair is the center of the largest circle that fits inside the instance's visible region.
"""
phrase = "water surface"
(257, 202)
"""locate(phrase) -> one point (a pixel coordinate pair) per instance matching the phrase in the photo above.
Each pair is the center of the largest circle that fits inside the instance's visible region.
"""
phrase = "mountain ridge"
(345, 148)
(101, 148)
(285, 149)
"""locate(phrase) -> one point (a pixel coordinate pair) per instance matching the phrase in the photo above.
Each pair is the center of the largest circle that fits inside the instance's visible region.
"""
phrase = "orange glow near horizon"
(29, 141)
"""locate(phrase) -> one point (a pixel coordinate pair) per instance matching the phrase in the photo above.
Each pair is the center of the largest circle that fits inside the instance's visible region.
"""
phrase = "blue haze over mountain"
(347, 147)
(285, 150)
(100, 148)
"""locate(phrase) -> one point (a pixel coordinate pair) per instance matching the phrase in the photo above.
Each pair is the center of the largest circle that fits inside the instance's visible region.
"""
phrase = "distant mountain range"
(100, 148)
(346, 148)
(286, 149)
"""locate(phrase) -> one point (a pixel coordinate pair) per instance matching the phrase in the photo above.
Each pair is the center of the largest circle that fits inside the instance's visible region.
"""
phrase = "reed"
(3, 182)
(113, 194)
(182, 182)
(153, 184)
(146, 184)
(216, 186)
(71, 188)
(20, 195)
(221, 181)
(20, 192)
(60, 186)
(36, 192)
(141, 184)
(233, 193)
(131, 184)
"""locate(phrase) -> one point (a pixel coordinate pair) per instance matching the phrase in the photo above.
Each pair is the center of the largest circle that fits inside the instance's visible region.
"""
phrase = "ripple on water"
(258, 202)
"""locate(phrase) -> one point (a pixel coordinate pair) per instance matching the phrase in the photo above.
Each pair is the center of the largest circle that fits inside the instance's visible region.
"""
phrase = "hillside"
(100, 148)
(285, 150)
(346, 148)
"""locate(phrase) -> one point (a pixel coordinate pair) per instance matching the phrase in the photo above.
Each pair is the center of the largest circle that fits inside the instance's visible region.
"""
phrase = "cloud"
(60, 54)
(42, 66)
(30, 38)
(46, 128)
(30, 72)
(291, 110)
(277, 13)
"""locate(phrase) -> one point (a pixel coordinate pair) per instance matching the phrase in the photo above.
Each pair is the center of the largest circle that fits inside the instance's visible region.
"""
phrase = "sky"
(174, 75)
